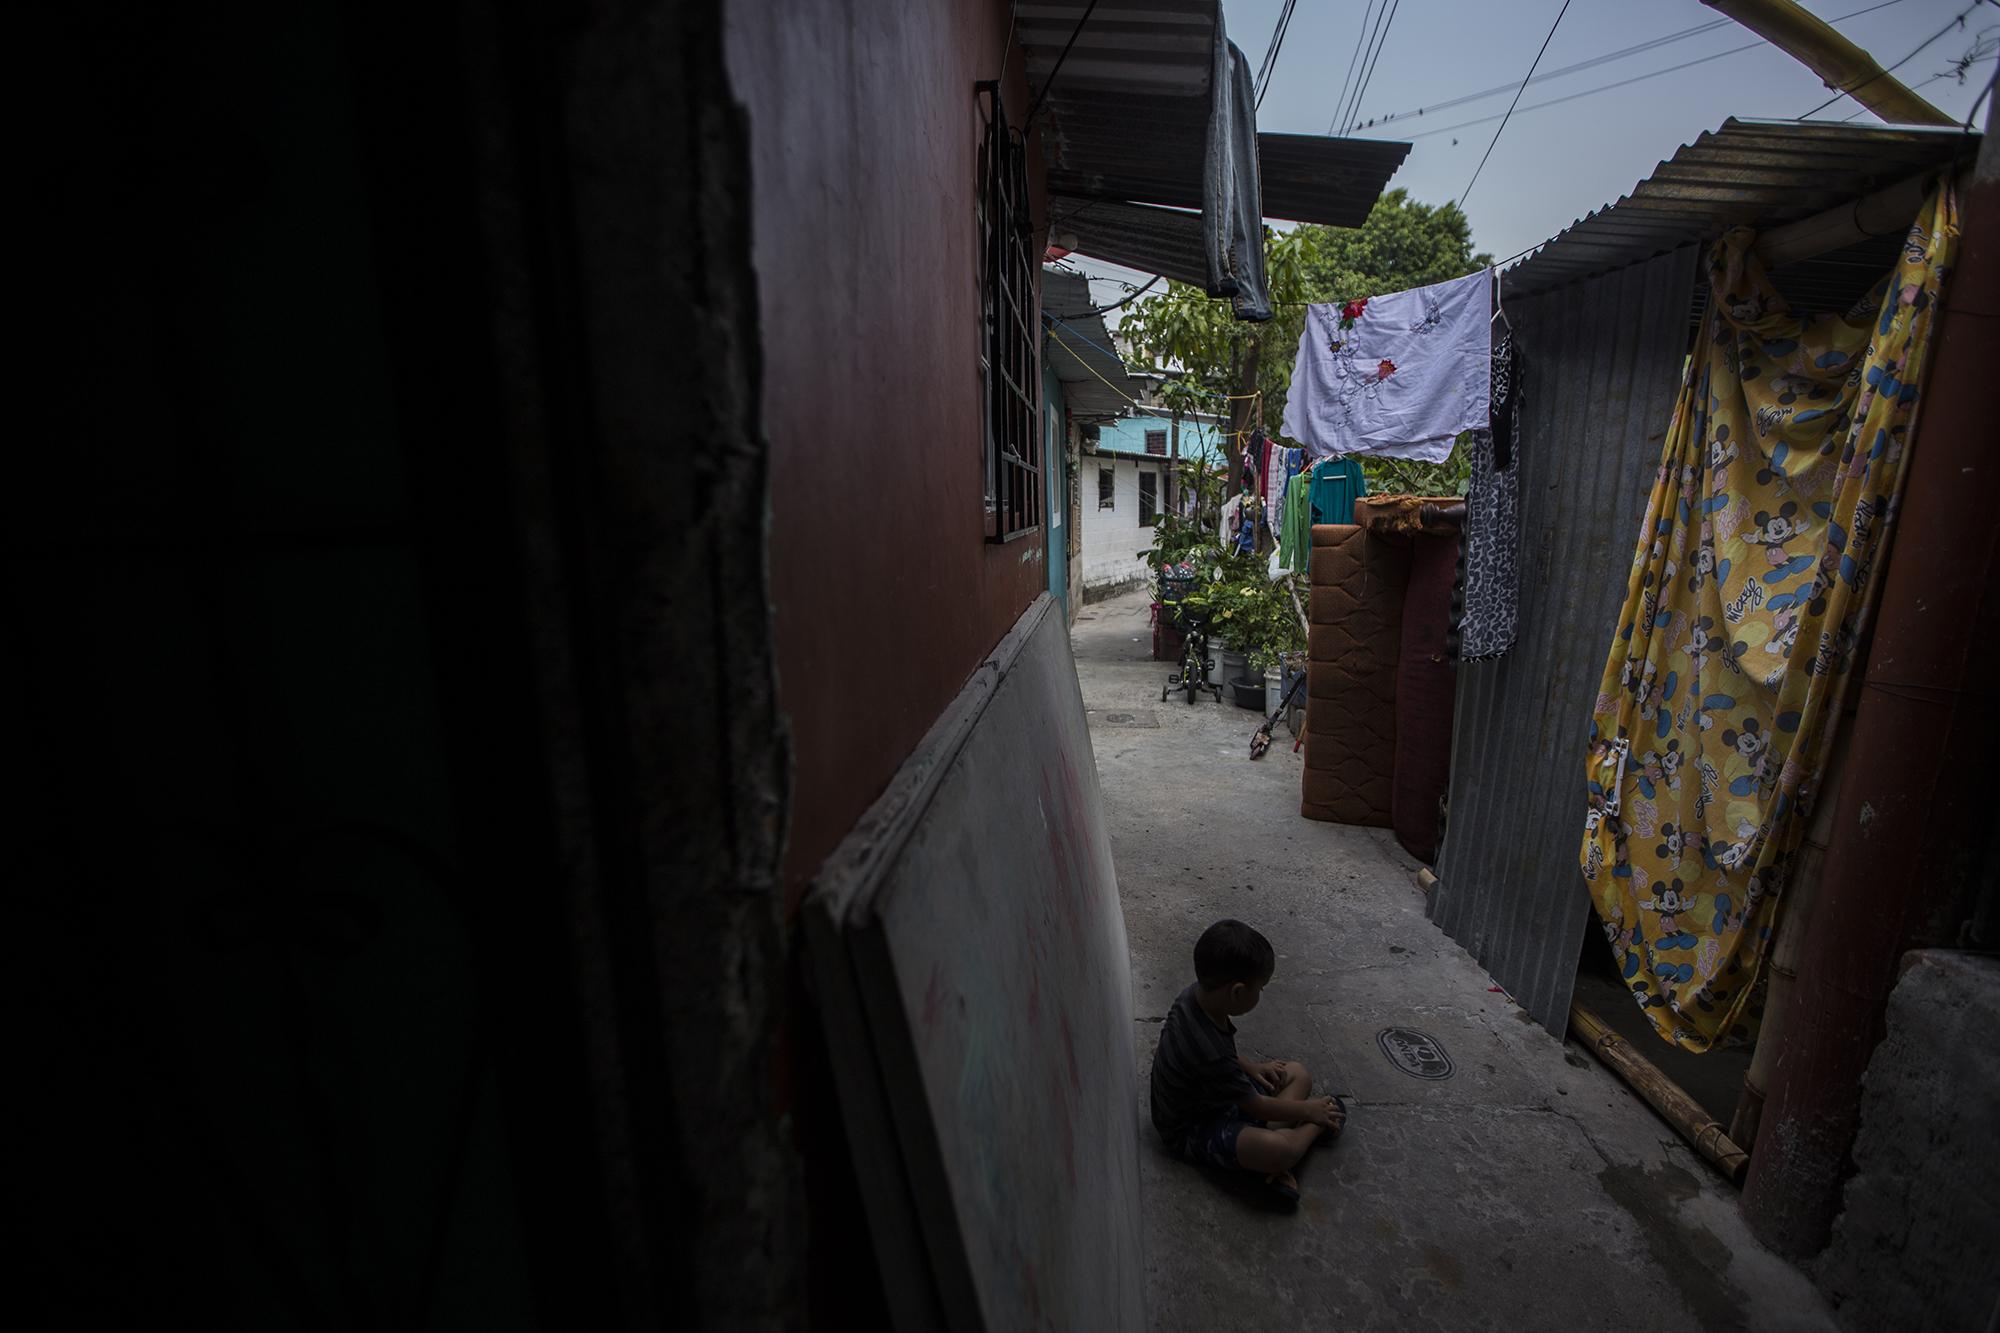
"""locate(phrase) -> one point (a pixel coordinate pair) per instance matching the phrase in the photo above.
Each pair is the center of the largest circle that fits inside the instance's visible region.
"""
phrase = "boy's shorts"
(1214, 1144)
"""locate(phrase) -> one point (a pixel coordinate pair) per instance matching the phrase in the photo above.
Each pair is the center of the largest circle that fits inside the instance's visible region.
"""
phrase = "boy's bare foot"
(1285, 1185)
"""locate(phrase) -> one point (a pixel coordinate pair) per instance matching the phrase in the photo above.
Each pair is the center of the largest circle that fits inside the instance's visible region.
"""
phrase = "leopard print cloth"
(1485, 600)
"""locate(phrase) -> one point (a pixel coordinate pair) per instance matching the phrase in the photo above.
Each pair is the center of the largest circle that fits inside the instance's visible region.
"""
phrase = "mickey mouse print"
(1748, 592)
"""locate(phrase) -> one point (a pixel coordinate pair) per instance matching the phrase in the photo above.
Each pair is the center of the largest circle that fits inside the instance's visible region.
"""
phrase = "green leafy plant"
(1178, 539)
(1250, 611)
(1405, 476)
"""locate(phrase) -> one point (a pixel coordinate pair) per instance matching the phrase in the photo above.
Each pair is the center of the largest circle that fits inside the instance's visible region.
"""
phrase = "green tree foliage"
(1200, 345)
(1403, 244)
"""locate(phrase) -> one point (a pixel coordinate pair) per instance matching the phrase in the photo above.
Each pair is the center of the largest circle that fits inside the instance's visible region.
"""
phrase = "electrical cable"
(1625, 83)
(1361, 40)
(1510, 108)
(1369, 77)
(1593, 62)
(1043, 96)
(1345, 112)
(1958, 22)
(1270, 65)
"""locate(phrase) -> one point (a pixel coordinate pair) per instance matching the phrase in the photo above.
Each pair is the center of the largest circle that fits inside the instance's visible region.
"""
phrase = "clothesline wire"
(1088, 341)
(1957, 22)
(1163, 413)
(1511, 105)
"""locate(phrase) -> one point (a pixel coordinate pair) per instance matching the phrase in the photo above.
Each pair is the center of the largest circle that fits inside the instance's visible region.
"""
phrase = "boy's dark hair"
(1229, 952)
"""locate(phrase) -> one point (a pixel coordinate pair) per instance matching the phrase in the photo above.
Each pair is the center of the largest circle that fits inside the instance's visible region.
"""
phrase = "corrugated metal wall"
(1602, 365)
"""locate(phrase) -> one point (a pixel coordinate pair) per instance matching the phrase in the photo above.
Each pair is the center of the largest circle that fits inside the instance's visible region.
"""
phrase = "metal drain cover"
(1142, 718)
(1415, 1053)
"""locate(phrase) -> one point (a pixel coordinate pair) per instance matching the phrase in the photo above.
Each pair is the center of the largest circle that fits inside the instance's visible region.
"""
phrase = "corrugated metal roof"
(1126, 123)
(1080, 350)
(1758, 173)
(1166, 241)
(1601, 364)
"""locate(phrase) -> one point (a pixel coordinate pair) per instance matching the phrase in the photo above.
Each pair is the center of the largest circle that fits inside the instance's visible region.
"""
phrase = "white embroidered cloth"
(1408, 373)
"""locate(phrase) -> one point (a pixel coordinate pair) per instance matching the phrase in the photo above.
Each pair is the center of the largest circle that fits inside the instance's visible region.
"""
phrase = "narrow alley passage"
(1528, 1189)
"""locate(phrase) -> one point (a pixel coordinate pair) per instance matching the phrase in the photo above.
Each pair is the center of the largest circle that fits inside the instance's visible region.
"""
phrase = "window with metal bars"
(1156, 442)
(1012, 365)
(1149, 499)
(1107, 488)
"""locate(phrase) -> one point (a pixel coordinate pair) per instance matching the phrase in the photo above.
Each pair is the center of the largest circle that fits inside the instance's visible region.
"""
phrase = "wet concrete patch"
(1690, 1254)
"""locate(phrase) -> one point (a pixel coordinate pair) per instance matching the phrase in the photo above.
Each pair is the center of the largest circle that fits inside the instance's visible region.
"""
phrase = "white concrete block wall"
(1112, 538)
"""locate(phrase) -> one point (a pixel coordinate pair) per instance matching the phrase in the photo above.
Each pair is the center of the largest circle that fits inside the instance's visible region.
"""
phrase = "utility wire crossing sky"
(1665, 72)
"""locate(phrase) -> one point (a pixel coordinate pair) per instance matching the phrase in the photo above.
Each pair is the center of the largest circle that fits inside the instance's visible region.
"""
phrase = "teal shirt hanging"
(1336, 484)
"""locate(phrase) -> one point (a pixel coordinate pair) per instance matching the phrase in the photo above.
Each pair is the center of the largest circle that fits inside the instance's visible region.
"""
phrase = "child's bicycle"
(1195, 662)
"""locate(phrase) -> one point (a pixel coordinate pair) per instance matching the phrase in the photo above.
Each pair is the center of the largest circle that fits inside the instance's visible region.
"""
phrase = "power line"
(1370, 76)
(1591, 63)
(1958, 22)
(1360, 40)
(1270, 65)
(1628, 82)
(1511, 105)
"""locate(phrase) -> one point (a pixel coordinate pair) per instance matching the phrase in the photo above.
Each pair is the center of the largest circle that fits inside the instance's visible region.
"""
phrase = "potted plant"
(1253, 617)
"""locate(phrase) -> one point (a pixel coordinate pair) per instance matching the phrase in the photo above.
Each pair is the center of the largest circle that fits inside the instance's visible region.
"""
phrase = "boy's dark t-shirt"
(1195, 1074)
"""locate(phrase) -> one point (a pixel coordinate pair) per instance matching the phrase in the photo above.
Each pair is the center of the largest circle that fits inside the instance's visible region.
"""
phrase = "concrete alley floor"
(1529, 1190)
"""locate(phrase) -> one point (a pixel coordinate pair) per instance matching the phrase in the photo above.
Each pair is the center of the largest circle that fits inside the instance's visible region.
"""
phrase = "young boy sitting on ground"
(1211, 1105)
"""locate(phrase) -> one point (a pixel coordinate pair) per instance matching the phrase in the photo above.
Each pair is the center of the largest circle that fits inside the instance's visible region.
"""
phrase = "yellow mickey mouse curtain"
(1776, 492)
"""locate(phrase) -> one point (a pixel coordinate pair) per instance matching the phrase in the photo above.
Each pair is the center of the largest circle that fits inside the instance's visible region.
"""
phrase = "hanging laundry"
(1485, 603)
(1336, 484)
(1748, 595)
(1295, 529)
(1398, 376)
(1232, 521)
(1285, 465)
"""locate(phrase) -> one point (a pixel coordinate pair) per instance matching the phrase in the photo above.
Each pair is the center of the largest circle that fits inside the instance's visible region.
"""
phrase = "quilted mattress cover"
(1353, 646)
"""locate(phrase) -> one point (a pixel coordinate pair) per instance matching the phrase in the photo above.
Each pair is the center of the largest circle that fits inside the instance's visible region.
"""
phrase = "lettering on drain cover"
(1415, 1053)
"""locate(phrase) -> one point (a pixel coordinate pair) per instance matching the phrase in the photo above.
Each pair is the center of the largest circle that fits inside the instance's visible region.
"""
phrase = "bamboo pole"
(1702, 1131)
(1840, 64)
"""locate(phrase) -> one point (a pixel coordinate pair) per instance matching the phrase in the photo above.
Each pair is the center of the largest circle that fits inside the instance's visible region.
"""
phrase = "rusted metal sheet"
(1601, 364)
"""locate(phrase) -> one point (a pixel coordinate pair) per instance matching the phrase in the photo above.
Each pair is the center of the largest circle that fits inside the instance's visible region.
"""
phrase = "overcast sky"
(1552, 166)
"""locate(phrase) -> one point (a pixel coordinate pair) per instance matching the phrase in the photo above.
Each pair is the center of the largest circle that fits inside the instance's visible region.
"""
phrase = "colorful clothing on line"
(1749, 591)
(1399, 376)
(1295, 533)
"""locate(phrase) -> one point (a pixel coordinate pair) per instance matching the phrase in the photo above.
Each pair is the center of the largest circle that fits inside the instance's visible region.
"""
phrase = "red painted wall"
(865, 128)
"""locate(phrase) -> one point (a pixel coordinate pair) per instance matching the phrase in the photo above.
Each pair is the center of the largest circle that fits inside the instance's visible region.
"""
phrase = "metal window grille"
(1156, 442)
(1107, 488)
(1149, 499)
(1014, 497)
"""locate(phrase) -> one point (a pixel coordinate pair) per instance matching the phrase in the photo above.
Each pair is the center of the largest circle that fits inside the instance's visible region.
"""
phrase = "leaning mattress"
(1352, 650)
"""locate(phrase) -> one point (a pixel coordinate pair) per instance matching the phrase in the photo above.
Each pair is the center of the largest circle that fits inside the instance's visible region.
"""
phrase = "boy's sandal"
(1337, 1130)
(1288, 1193)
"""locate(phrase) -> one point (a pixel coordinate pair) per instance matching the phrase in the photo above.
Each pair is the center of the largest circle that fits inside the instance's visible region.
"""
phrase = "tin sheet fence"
(1602, 363)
